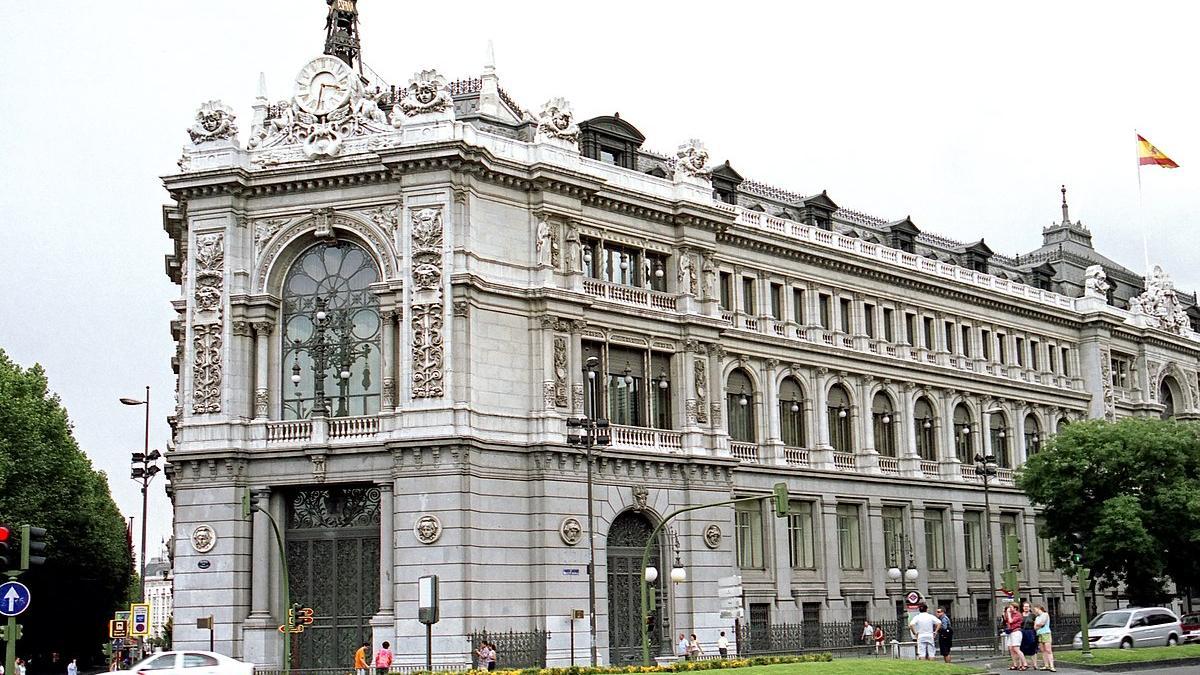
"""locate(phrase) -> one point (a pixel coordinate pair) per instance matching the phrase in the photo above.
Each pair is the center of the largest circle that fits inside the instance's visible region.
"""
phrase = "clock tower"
(341, 32)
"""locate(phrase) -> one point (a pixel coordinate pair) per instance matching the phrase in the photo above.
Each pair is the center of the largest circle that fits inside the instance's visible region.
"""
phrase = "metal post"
(429, 647)
(145, 508)
(1081, 579)
(287, 595)
(987, 512)
(590, 437)
(10, 644)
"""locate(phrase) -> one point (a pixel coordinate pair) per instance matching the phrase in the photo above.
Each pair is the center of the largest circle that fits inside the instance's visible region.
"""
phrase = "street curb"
(1135, 666)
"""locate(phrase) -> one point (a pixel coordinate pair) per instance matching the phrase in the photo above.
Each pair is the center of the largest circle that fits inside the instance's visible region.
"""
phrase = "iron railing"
(514, 649)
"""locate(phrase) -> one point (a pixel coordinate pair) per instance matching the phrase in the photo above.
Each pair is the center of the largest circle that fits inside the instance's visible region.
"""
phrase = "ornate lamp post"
(986, 467)
(328, 351)
(909, 573)
(144, 468)
(587, 432)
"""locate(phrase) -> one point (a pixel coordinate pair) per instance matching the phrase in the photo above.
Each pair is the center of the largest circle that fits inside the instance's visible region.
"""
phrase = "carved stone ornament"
(691, 160)
(428, 351)
(210, 271)
(427, 529)
(640, 497)
(427, 248)
(700, 372)
(215, 121)
(204, 539)
(206, 368)
(712, 535)
(687, 273)
(570, 531)
(1110, 410)
(544, 244)
(557, 121)
(560, 371)
(1095, 283)
(261, 403)
(1160, 304)
(708, 272)
(427, 92)
(264, 230)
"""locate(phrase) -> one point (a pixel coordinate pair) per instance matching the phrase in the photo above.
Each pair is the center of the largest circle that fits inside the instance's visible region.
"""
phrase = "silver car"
(1133, 627)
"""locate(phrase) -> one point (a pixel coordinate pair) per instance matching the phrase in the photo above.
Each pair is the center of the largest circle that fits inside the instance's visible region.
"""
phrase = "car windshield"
(1110, 620)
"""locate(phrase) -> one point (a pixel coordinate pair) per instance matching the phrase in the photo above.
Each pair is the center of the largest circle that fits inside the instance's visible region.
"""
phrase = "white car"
(1133, 627)
(191, 663)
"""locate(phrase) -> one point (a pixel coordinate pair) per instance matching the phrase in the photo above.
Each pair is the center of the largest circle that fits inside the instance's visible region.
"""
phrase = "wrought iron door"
(626, 541)
(333, 566)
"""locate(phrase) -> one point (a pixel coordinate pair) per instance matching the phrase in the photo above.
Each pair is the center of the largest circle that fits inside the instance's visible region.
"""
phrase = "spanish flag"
(1148, 154)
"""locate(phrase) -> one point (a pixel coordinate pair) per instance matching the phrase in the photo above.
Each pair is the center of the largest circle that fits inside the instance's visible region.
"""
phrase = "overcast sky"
(968, 116)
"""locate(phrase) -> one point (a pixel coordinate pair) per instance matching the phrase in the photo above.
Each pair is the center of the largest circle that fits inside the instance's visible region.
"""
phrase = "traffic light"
(1012, 550)
(1010, 583)
(304, 616)
(33, 546)
(781, 500)
(8, 554)
(17, 634)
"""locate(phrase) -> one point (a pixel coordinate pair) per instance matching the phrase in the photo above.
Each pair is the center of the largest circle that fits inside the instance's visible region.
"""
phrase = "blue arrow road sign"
(14, 598)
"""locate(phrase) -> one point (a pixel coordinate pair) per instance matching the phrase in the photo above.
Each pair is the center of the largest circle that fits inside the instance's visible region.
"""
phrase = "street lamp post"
(985, 466)
(144, 468)
(909, 573)
(587, 432)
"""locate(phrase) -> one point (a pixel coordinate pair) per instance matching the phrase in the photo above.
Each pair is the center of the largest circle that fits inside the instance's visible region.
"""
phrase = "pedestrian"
(945, 635)
(481, 654)
(72, 668)
(1012, 636)
(878, 637)
(868, 633)
(924, 626)
(383, 659)
(493, 656)
(1045, 640)
(360, 660)
(21, 667)
(694, 650)
(723, 645)
(1029, 643)
(682, 646)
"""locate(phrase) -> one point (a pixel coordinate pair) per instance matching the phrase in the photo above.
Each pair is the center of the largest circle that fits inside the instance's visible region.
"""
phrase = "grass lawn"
(1106, 656)
(859, 667)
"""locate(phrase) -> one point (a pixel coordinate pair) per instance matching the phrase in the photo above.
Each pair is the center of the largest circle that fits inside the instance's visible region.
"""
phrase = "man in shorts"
(945, 635)
(925, 627)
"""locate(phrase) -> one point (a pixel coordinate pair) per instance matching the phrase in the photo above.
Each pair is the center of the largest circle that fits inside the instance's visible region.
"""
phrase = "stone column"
(1020, 452)
(821, 454)
(866, 457)
(914, 522)
(547, 352)
(387, 363)
(910, 461)
(985, 433)
(387, 550)
(773, 439)
(782, 562)
(716, 397)
(874, 561)
(262, 543)
(812, 298)
(957, 558)
(576, 367)
(948, 457)
(262, 369)
(1027, 529)
(833, 564)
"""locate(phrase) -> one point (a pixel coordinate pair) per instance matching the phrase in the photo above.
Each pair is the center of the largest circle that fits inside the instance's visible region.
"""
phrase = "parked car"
(1191, 627)
(191, 663)
(1133, 627)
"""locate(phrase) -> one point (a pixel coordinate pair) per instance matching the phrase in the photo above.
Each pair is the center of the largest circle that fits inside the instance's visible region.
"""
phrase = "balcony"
(289, 431)
(795, 456)
(889, 465)
(844, 461)
(629, 295)
(744, 452)
(333, 428)
(643, 438)
(930, 469)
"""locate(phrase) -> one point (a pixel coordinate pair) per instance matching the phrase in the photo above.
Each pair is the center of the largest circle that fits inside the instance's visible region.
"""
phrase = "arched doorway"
(626, 541)
(1166, 396)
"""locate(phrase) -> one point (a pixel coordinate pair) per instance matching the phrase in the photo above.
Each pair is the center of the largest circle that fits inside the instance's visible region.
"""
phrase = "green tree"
(47, 481)
(1126, 495)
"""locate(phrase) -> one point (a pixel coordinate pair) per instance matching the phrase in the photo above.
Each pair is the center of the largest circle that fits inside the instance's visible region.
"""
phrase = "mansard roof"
(905, 226)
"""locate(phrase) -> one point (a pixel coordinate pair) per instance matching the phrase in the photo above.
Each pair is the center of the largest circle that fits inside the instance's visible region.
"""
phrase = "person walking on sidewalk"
(360, 659)
(1041, 626)
(383, 659)
(723, 645)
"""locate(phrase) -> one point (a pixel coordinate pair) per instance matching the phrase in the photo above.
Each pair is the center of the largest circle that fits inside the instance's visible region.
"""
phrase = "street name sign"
(14, 598)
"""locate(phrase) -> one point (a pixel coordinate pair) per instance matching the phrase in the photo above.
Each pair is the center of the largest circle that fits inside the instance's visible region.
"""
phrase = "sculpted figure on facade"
(712, 536)
(560, 371)
(691, 160)
(574, 249)
(556, 122)
(210, 271)
(641, 497)
(214, 121)
(700, 372)
(428, 529)
(427, 92)
(1095, 284)
(427, 248)
(367, 108)
(544, 244)
(1160, 304)
(709, 274)
(687, 273)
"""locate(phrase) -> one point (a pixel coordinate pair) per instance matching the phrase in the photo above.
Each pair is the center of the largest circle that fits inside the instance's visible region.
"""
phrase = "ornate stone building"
(388, 300)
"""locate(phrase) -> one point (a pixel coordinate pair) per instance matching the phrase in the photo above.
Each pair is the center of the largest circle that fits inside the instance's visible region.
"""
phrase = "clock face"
(324, 85)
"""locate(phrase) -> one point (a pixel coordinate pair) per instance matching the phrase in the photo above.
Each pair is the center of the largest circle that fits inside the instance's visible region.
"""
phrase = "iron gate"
(626, 541)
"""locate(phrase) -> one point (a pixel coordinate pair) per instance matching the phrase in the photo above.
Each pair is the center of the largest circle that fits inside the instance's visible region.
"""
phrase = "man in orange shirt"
(360, 659)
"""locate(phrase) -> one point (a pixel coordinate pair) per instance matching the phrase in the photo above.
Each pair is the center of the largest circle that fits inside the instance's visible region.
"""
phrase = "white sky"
(967, 116)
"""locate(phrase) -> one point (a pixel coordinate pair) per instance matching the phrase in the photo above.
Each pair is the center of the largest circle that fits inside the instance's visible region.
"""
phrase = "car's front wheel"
(1127, 643)
(1172, 640)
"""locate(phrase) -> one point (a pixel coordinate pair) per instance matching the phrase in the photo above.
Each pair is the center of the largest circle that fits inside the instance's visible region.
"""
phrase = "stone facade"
(744, 338)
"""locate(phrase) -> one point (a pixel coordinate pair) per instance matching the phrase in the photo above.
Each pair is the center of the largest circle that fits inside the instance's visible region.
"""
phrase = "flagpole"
(1141, 210)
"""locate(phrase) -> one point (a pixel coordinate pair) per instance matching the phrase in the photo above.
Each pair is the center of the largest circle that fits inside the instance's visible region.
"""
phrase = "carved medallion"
(570, 531)
(640, 497)
(204, 539)
(712, 535)
(427, 529)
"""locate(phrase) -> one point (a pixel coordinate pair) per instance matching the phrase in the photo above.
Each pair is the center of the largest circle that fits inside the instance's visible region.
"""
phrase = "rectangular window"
(949, 331)
(1052, 355)
(625, 385)
(893, 532)
(1066, 363)
(1054, 605)
(749, 536)
(849, 542)
(660, 397)
(927, 336)
(889, 332)
(1033, 354)
(811, 613)
(654, 275)
(1020, 351)
(748, 305)
(777, 302)
(589, 250)
(726, 291)
(1045, 562)
(869, 320)
(846, 314)
(740, 418)
(791, 422)
(611, 156)
(1120, 372)
(910, 329)
(858, 612)
(985, 338)
(798, 305)
(983, 613)
(826, 319)
(621, 264)
(800, 535)
(935, 538)
(1008, 528)
(964, 345)
(973, 539)
(1002, 352)
(885, 436)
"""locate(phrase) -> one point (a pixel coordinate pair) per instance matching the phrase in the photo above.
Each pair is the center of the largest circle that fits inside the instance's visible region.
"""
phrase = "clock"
(324, 85)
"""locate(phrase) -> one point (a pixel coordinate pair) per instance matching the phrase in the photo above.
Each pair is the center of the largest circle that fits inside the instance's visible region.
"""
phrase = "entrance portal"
(626, 541)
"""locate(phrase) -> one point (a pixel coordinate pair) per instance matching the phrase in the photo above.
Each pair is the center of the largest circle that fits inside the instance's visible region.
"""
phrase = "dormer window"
(725, 183)
(610, 155)
(611, 140)
(818, 211)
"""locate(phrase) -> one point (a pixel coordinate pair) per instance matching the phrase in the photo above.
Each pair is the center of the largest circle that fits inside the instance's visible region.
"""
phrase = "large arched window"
(883, 417)
(837, 411)
(791, 413)
(1166, 396)
(739, 406)
(1033, 435)
(925, 427)
(964, 449)
(331, 333)
(998, 430)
